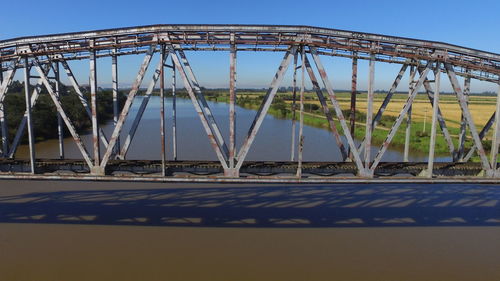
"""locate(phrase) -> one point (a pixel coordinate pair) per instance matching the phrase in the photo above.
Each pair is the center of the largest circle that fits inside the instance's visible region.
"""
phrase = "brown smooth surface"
(36, 251)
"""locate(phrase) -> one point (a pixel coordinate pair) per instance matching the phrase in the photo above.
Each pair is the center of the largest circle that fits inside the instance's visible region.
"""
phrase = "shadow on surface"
(292, 206)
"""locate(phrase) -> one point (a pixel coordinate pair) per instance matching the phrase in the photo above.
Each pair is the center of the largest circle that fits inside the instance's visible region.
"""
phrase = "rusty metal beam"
(325, 108)
(408, 116)
(60, 129)
(207, 112)
(483, 133)
(463, 126)
(301, 112)
(468, 117)
(4, 85)
(369, 113)
(442, 123)
(294, 109)
(27, 97)
(354, 86)
(126, 107)
(253, 37)
(114, 84)
(435, 108)
(384, 104)
(20, 129)
(59, 108)
(162, 110)
(174, 114)
(496, 136)
(93, 103)
(191, 91)
(142, 108)
(264, 107)
(440, 119)
(338, 111)
(81, 97)
(232, 109)
(402, 114)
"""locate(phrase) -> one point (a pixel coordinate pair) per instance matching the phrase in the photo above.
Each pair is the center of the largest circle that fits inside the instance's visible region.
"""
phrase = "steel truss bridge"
(304, 48)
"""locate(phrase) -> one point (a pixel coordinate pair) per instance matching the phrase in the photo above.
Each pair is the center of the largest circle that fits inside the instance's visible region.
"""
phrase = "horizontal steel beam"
(247, 36)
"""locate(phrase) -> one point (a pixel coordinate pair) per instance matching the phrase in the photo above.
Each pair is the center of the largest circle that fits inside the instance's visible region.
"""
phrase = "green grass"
(419, 140)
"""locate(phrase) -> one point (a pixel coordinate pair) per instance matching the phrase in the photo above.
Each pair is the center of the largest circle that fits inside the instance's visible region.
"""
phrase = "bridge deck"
(150, 170)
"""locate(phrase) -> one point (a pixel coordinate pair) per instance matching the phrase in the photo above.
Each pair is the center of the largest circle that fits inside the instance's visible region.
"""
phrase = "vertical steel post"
(408, 116)
(294, 98)
(174, 115)
(301, 112)
(354, 85)
(463, 125)
(162, 110)
(384, 104)
(435, 107)
(114, 78)
(4, 86)
(27, 96)
(20, 129)
(369, 112)
(496, 136)
(126, 107)
(232, 114)
(93, 101)
(2, 121)
(60, 129)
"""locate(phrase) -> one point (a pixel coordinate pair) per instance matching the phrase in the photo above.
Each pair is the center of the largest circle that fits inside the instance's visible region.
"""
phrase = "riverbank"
(421, 116)
(45, 114)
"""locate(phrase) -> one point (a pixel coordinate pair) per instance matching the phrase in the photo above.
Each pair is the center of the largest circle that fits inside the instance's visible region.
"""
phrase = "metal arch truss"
(41, 58)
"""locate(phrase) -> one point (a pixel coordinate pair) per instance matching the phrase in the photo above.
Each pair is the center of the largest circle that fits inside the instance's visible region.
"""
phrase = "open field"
(481, 108)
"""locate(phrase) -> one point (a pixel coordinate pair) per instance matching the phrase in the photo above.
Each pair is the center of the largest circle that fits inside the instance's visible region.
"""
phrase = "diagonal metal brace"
(82, 98)
(213, 141)
(467, 116)
(60, 110)
(325, 108)
(203, 102)
(126, 107)
(142, 108)
(402, 114)
(338, 110)
(264, 107)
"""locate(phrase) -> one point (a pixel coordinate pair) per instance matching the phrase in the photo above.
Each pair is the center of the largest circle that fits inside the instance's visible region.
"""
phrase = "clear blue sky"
(473, 24)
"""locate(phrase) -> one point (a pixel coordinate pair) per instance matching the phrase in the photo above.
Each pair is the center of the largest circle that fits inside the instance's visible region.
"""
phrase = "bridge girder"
(45, 53)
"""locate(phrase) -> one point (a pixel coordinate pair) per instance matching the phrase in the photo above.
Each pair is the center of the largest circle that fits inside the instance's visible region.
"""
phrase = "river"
(273, 142)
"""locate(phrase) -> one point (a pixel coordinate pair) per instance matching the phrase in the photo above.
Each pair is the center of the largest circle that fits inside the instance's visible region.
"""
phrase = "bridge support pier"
(231, 173)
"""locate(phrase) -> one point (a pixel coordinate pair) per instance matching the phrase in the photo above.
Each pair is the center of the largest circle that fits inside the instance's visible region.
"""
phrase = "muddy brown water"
(272, 143)
(150, 231)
